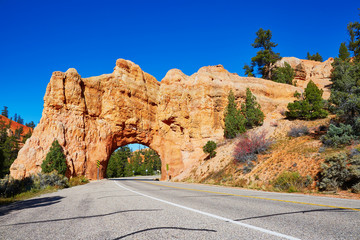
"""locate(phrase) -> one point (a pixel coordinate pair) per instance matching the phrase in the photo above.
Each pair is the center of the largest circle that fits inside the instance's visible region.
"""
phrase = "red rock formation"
(14, 126)
(92, 117)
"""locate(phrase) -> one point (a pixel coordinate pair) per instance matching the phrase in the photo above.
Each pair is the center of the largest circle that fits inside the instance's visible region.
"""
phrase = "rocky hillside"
(14, 126)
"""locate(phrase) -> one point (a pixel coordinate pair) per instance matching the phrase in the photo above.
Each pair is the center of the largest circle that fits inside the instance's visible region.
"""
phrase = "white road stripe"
(214, 216)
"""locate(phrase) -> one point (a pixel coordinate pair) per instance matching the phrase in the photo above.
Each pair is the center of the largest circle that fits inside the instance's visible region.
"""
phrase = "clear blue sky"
(39, 37)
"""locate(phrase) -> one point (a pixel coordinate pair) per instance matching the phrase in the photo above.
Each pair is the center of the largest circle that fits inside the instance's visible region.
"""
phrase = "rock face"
(92, 117)
(306, 70)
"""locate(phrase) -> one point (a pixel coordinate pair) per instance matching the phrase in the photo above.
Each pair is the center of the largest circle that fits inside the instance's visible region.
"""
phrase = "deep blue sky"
(39, 37)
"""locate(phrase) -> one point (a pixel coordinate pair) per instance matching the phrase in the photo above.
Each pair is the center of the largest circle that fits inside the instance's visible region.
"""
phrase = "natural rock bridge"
(92, 117)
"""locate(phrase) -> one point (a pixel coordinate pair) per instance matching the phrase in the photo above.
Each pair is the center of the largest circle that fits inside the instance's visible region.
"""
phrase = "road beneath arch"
(140, 208)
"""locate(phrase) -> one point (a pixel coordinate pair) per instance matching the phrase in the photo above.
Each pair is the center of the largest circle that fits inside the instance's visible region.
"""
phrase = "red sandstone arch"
(91, 117)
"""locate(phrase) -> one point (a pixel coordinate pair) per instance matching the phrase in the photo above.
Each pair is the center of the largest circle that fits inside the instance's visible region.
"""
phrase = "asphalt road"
(144, 209)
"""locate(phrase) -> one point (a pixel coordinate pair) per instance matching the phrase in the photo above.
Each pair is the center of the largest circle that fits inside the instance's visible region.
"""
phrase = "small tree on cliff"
(209, 148)
(234, 120)
(55, 160)
(312, 107)
(252, 110)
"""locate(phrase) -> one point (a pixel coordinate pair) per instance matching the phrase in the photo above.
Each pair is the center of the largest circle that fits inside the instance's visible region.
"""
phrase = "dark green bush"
(55, 160)
(284, 74)
(209, 148)
(340, 171)
(338, 136)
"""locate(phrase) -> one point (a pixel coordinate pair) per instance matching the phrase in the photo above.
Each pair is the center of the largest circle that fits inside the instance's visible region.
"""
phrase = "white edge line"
(214, 216)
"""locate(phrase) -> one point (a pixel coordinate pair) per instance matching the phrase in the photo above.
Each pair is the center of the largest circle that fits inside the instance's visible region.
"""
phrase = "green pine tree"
(55, 160)
(5, 112)
(354, 44)
(252, 110)
(234, 120)
(315, 57)
(344, 53)
(284, 74)
(312, 107)
(249, 70)
(345, 92)
(266, 56)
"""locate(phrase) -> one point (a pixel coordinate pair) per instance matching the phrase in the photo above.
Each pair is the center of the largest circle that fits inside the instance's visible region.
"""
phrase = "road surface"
(140, 208)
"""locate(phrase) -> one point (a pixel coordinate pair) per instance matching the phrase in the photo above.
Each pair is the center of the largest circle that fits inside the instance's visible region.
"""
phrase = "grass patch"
(78, 180)
(26, 195)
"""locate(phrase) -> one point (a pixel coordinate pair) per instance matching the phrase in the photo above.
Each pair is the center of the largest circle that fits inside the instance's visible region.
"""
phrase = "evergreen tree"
(344, 54)
(312, 107)
(10, 148)
(315, 57)
(266, 56)
(5, 112)
(55, 160)
(234, 120)
(2, 161)
(345, 92)
(209, 148)
(284, 74)
(20, 120)
(249, 70)
(30, 124)
(252, 110)
(354, 44)
(15, 118)
(117, 162)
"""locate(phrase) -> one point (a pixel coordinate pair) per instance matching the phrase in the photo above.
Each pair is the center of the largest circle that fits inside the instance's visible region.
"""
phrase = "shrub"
(252, 110)
(55, 160)
(298, 131)
(340, 171)
(284, 74)
(337, 136)
(290, 182)
(250, 145)
(356, 188)
(10, 187)
(209, 148)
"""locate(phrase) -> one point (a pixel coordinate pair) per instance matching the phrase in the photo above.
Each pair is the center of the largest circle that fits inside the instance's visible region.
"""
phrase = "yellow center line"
(246, 196)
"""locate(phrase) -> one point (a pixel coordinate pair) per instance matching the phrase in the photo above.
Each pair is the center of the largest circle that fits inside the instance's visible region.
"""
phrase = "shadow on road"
(81, 217)
(31, 203)
(165, 228)
(335, 210)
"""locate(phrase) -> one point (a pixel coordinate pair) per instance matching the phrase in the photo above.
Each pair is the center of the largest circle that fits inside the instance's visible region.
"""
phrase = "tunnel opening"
(133, 160)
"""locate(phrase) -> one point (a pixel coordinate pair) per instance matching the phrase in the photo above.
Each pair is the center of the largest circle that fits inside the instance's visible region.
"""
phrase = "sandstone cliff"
(92, 117)
(306, 70)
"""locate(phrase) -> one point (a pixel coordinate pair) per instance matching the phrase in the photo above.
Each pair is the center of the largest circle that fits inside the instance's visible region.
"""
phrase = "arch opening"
(133, 160)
